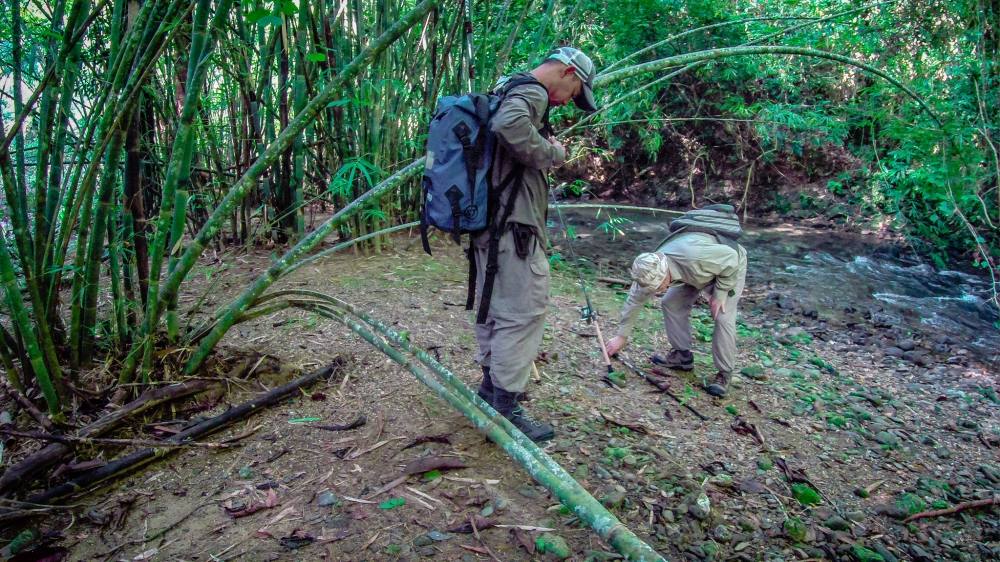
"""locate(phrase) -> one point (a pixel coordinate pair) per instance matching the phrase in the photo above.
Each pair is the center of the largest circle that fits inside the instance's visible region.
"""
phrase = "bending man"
(701, 255)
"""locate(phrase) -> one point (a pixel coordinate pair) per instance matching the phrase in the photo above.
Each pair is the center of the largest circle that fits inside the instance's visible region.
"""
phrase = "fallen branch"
(70, 439)
(614, 281)
(995, 500)
(29, 407)
(360, 421)
(34, 465)
(663, 387)
(140, 458)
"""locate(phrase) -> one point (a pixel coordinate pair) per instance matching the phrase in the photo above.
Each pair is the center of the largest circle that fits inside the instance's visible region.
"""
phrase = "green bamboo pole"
(118, 304)
(278, 268)
(15, 53)
(46, 117)
(536, 462)
(178, 174)
(22, 322)
(88, 324)
(176, 236)
(712, 54)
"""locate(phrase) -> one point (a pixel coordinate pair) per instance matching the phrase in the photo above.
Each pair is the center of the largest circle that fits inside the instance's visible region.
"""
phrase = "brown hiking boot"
(720, 386)
(680, 359)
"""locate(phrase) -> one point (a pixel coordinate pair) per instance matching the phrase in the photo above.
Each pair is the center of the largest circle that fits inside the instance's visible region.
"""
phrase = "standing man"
(700, 255)
(512, 331)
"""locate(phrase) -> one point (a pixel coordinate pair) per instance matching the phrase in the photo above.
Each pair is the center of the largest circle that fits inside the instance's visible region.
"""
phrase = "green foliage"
(910, 503)
(805, 494)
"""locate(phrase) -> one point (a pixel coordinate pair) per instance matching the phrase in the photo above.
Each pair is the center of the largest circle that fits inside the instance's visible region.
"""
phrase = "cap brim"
(585, 100)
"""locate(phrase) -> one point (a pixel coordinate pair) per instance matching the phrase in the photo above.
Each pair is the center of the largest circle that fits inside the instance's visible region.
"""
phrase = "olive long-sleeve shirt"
(695, 259)
(516, 124)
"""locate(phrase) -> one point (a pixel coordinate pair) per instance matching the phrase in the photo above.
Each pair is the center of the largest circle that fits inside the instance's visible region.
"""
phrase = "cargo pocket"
(538, 291)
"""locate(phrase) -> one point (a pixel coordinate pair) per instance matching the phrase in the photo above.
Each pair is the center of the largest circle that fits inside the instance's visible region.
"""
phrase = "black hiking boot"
(720, 386)
(682, 360)
(507, 403)
(486, 387)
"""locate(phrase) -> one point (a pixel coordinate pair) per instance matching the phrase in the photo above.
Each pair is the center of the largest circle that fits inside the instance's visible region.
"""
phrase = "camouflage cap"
(584, 69)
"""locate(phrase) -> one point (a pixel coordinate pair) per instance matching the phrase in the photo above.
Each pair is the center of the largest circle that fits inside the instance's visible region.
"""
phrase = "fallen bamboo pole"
(536, 462)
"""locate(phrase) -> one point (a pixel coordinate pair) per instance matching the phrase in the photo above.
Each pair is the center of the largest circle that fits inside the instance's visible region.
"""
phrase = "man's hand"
(559, 147)
(616, 344)
(717, 306)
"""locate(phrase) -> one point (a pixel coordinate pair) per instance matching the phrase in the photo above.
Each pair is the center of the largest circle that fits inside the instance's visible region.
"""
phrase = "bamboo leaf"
(257, 15)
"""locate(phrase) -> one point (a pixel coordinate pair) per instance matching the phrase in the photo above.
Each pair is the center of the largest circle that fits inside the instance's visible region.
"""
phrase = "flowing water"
(823, 271)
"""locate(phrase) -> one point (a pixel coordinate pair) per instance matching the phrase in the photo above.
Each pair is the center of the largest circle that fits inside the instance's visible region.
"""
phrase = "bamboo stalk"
(536, 462)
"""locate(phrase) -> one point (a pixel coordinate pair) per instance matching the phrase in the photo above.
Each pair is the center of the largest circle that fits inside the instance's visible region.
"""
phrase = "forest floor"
(877, 436)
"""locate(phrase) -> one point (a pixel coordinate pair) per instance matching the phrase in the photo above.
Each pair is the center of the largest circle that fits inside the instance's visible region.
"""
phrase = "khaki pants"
(512, 334)
(677, 304)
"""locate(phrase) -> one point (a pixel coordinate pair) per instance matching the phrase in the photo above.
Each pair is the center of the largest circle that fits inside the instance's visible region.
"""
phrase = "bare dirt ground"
(821, 449)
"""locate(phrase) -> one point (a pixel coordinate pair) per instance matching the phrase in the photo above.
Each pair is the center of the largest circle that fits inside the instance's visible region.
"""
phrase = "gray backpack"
(719, 220)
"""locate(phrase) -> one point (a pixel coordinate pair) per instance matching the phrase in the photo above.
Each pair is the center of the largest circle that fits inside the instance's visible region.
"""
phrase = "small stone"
(487, 510)
(856, 516)
(890, 510)
(614, 498)
(887, 439)
(701, 507)
(942, 453)
(837, 523)
(554, 545)
(748, 524)
(755, 372)
(906, 344)
(501, 504)
(893, 351)
(764, 462)
(722, 533)
(427, 551)
(326, 499)
(528, 492)
(422, 540)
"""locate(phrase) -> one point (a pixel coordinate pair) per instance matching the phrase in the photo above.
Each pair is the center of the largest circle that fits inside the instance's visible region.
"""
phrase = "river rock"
(614, 498)
(891, 510)
(326, 498)
(893, 351)
(906, 344)
(700, 507)
(919, 554)
(837, 523)
(722, 533)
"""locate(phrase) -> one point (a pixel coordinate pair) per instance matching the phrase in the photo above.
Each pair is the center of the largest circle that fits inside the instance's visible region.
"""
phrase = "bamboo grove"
(139, 135)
